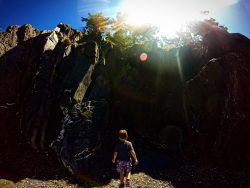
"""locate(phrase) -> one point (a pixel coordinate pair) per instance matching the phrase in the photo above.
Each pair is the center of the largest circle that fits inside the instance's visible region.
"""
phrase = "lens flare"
(143, 57)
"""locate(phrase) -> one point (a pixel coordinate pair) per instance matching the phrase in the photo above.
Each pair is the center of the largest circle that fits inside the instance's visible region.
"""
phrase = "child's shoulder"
(128, 142)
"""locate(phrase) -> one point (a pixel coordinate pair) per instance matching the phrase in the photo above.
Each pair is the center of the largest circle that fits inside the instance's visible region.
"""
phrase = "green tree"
(126, 35)
(202, 28)
(97, 24)
(195, 33)
(120, 34)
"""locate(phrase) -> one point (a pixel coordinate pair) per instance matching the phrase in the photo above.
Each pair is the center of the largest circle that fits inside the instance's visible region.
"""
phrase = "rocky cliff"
(44, 75)
(66, 91)
(217, 101)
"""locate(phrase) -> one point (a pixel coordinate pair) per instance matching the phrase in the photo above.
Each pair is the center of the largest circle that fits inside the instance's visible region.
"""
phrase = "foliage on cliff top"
(118, 32)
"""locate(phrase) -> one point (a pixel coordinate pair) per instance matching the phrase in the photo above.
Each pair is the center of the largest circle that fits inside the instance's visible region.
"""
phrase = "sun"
(169, 15)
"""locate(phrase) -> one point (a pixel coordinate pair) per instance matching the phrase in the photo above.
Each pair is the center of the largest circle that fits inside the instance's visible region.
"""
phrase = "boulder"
(15, 35)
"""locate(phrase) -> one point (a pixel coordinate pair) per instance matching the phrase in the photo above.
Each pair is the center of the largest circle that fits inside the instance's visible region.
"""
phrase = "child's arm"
(114, 157)
(134, 156)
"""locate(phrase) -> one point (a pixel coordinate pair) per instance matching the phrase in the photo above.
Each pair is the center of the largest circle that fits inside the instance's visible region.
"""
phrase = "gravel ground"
(139, 180)
(24, 168)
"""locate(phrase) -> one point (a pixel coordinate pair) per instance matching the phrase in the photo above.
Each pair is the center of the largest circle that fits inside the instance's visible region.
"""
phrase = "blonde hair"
(123, 134)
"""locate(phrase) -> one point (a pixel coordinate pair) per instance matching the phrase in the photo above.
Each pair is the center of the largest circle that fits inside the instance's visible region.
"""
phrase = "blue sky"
(236, 17)
(46, 14)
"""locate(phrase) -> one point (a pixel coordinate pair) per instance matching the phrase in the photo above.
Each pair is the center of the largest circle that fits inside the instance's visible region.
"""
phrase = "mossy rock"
(6, 183)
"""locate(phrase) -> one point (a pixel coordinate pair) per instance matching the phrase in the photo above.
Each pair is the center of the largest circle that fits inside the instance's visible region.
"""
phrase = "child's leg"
(128, 176)
(128, 172)
(122, 177)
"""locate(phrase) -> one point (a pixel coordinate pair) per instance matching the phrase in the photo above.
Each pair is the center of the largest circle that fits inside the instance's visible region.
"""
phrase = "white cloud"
(86, 6)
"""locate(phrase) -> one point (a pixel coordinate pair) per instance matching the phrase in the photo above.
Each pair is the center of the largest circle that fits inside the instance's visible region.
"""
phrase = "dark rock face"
(18, 69)
(218, 107)
(81, 136)
(198, 100)
(56, 93)
(44, 81)
(148, 96)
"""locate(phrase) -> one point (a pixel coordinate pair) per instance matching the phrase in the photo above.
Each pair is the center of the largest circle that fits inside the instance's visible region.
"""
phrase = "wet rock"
(81, 136)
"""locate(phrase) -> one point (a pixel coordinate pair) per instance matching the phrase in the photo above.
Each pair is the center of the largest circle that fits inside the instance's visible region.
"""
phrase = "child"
(123, 152)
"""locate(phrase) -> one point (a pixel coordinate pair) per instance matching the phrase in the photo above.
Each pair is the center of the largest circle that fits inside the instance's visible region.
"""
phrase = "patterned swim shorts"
(123, 166)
